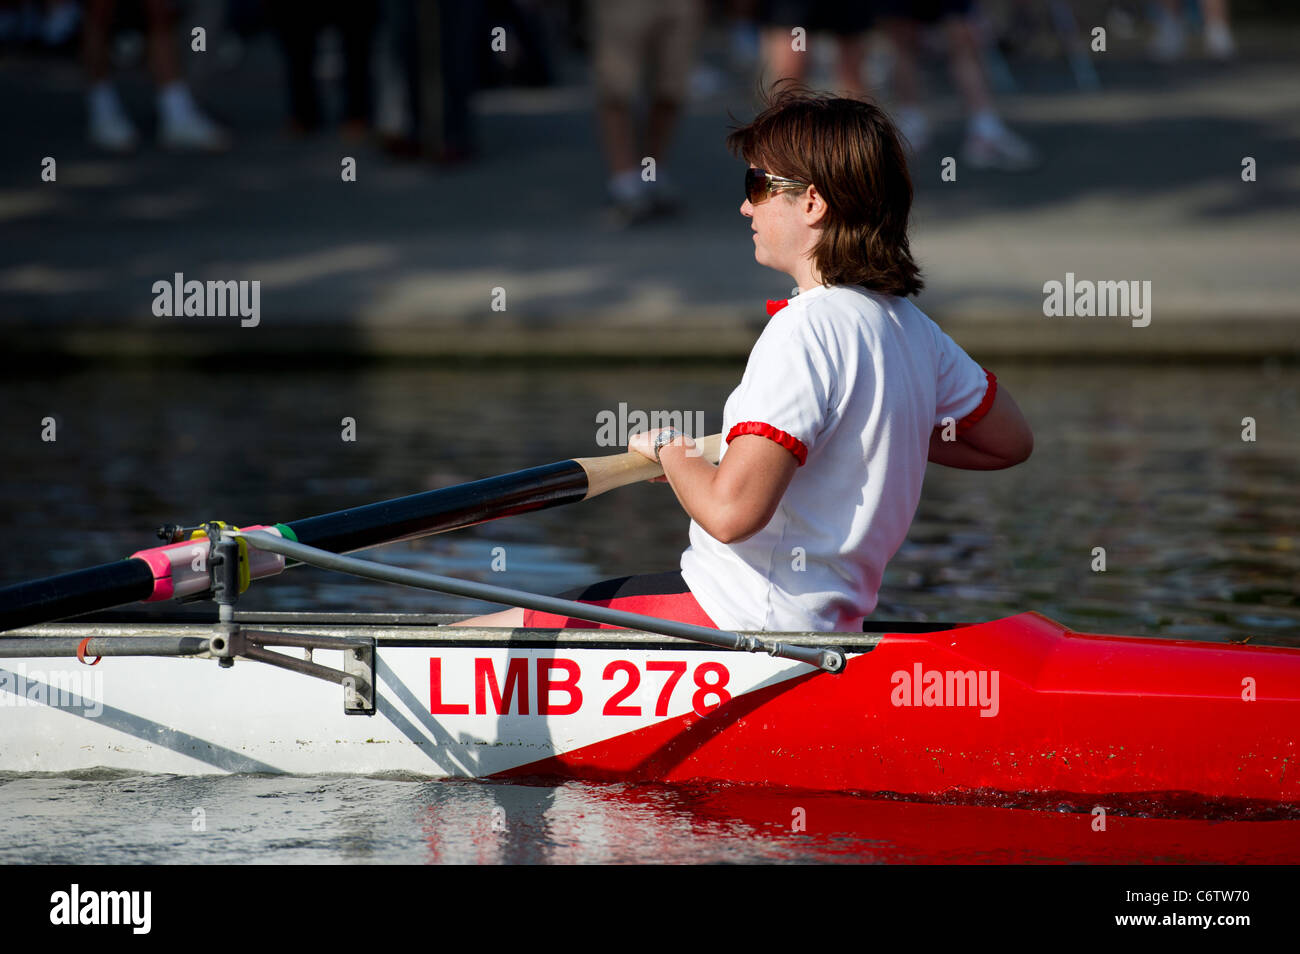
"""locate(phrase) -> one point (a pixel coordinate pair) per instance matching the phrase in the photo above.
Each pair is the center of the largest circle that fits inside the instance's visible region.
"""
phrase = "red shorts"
(664, 595)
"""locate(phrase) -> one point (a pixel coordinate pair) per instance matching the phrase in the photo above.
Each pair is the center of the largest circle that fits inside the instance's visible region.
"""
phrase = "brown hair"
(851, 151)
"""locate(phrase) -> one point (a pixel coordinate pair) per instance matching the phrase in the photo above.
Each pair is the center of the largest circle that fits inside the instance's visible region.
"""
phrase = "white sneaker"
(1218, 41)
(182, 125)
(110, 128)
(1002, 150)
(1170, 40)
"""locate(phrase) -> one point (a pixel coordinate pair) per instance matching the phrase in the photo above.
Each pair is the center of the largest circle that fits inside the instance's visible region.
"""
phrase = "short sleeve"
(964, 390)
(785, 394)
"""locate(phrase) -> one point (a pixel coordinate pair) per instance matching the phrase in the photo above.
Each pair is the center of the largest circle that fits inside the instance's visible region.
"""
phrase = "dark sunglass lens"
(755, 184)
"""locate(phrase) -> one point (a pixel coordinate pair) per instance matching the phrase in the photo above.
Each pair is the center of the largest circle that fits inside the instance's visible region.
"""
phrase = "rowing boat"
(1016, 705)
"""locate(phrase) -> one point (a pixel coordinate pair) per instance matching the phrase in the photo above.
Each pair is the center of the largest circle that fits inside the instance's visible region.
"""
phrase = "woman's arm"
(1001, 438)
(734, 500)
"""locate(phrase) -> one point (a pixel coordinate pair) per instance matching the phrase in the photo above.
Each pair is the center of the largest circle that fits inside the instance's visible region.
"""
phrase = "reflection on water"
(111, 818)
(1201, 530)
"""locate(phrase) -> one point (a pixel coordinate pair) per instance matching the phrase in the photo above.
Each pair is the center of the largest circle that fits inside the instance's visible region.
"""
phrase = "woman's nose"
(746, 209)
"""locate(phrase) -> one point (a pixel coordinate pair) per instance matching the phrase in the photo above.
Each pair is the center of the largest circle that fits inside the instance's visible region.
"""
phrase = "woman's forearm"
(739, 497)
(1001, 438)
(695, 481)
(957, 453)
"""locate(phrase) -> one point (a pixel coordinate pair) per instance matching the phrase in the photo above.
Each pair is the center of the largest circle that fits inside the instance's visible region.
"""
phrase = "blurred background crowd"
(405, 72)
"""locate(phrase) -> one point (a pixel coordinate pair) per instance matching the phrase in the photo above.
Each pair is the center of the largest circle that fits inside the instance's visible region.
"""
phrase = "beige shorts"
(631, 36)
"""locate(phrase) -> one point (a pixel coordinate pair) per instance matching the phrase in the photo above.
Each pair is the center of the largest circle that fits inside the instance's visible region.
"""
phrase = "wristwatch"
(664, 438)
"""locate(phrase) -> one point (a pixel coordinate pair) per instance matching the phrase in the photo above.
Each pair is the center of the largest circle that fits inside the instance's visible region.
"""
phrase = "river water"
(1200, 530)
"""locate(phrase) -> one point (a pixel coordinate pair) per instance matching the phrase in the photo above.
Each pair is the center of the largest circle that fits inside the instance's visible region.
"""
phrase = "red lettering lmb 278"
(711, 679)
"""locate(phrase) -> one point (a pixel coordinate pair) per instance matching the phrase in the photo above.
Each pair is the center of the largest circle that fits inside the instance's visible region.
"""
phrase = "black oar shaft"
(449, 508)
(403, 518)
(71, 594)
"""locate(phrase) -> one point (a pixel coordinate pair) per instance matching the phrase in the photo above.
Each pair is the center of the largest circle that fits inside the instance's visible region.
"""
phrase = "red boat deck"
(1015, 705)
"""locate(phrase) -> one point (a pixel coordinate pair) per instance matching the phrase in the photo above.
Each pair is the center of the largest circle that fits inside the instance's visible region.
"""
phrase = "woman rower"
(848, 392)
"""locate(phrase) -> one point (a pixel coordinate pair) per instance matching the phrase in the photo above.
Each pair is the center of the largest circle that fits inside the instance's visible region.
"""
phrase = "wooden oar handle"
(619, 470)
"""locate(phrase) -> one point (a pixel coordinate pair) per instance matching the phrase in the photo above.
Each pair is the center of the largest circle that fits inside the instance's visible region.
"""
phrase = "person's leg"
(967, 71)
(95, 37)
(618, 136)
(662, 595)
(664, 114)
(108, 125)
(296, 27)
(780, 59)
(1170, 39)
(672, 53)
(621, 33)
(99, 24)
(989, 143)
(512, 618)
(460, 28)
(182, 125)
(777, 21)
(848, 64)
(742, 34)
(1218, 35)
(1215, 11)
(673, 60)
(163, 62)
(357, 22)
(904, 36)
(848, 23)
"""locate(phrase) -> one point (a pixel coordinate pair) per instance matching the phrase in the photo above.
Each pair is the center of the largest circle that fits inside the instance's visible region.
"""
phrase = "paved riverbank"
(1141, 182)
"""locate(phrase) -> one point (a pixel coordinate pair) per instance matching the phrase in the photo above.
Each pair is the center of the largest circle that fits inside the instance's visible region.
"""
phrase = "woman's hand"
(643, 443)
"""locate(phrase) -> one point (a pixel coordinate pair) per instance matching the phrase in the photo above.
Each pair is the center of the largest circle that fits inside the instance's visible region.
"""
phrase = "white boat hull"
(436, 714)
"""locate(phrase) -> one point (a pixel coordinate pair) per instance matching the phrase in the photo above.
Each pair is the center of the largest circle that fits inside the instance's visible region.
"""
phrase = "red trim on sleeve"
(974, 417)
(774, 306)
(788, 441)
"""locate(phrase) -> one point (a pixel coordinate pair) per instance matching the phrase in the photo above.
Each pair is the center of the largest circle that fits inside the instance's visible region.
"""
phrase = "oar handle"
(619, 470)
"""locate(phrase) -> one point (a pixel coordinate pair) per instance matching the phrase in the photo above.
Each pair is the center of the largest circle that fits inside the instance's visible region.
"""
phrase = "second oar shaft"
(829, 659)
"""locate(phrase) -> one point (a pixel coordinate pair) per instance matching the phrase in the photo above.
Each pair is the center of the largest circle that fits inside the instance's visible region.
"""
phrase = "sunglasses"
(759, 184)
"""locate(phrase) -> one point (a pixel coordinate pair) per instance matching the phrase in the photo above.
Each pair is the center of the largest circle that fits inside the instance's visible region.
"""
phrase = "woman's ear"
(814, 207)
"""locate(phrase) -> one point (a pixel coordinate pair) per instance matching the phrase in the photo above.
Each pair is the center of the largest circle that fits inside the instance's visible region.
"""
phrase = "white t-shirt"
(853, 383)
